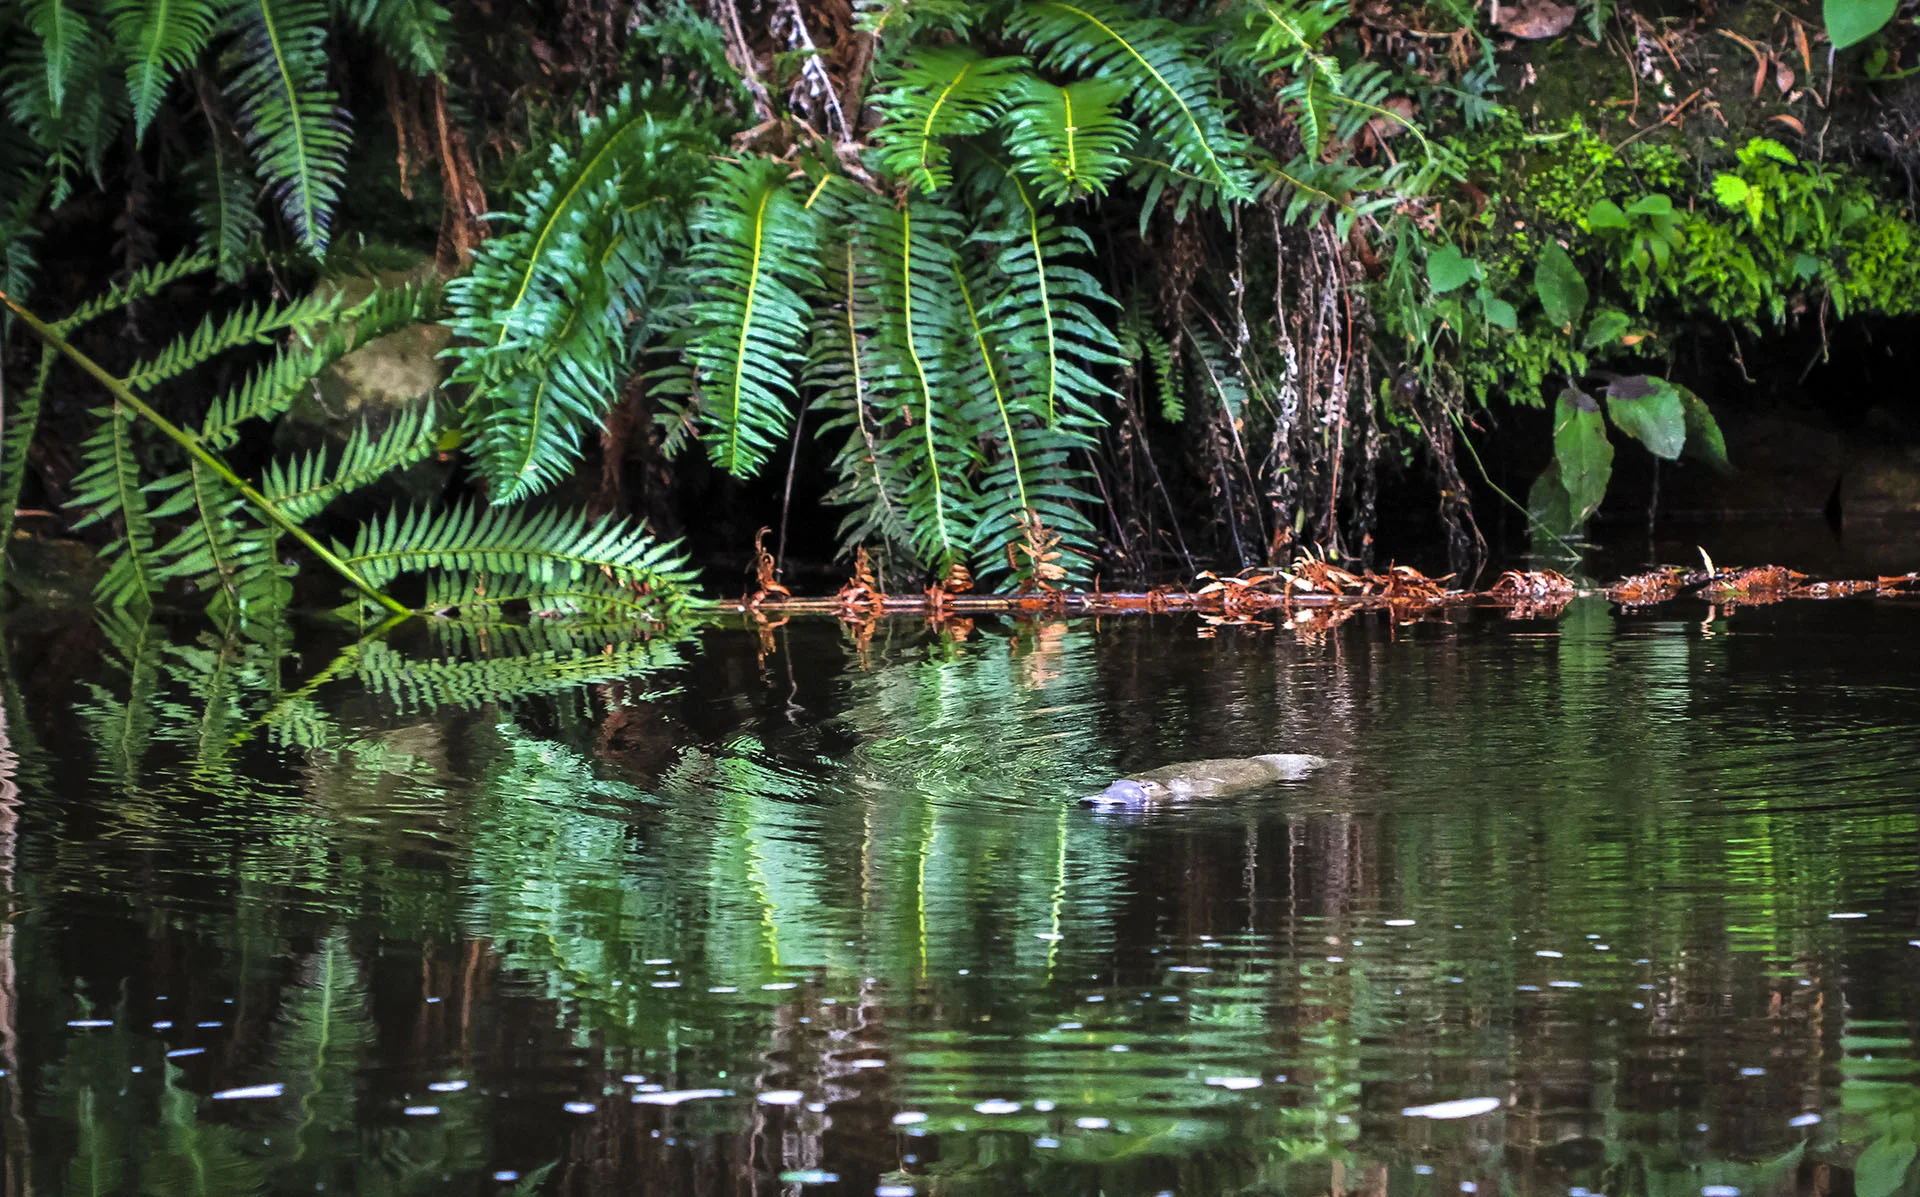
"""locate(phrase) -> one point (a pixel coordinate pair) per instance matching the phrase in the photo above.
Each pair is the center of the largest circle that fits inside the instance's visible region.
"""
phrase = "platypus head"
(1121, 793)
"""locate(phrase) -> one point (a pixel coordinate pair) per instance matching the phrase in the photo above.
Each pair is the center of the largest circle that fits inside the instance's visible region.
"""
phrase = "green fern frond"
(755, 250)
(295, 127)
(1171, 91)
(143, 283)
(248, 326)
(549, 547)
(272, 388)
(1166, 376)
(929, 453)
(160, 40)
(228, 216)
(413, 32)
(221, 549)
(542, 317)
(839, 375)
(1215, 371)
(303, 487)
(61, 89)
(22, 424)
(1071, 141)
(1029, 474)
(108, 488)
(936, 93)
(1056, 339)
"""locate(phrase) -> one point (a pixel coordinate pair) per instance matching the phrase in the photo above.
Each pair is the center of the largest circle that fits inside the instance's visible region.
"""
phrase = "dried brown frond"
(1760, 583)
(1654, 586)
(1840, 588)
(765, 573)
(1534, 585)
(1899, 583)
(958, 579)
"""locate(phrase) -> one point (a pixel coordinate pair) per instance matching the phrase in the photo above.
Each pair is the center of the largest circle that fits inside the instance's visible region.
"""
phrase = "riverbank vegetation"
(476, 313)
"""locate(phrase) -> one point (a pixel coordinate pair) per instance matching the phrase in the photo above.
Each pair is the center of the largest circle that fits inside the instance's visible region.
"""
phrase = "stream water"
(1595, 902)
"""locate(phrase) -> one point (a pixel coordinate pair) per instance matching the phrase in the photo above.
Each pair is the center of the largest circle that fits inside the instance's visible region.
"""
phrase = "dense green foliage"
(1046, 280)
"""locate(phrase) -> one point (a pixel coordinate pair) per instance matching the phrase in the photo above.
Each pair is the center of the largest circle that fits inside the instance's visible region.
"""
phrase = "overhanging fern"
(1171, 92)
(295, 127)
(160, 40)
(542, 318)
(754, 253)
(937, 93)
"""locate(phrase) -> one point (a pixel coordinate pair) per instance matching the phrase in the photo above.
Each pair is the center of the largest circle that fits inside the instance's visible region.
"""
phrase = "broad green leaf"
(1448, 270)
(1648, 410)
(1883, 1166)
(1551, 509)
(1651, 205)
(1563, 293)
(1850, 22)
(1498, 311)
(1608, 326)
(1605, 214)
(1582, 451)
(1703, 432)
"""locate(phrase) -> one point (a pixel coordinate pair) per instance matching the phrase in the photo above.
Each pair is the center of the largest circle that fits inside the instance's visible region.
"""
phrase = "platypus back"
(1204, 779)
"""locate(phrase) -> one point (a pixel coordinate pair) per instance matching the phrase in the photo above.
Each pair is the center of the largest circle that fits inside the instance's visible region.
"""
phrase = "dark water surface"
(1636, 894)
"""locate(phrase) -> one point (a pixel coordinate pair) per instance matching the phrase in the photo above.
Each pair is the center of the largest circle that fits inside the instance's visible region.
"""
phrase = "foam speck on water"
(578, 1107)
(1092, 1123)
(908, 1118)
(1400, 922)
(250, 1091)
(1848, 914)
(447, 1086)
(781, 1097)
(1550, 954)
(997, 1107)
(1466, 1107)
(421, 1111)
(1804, 1120)
(1235, 1082)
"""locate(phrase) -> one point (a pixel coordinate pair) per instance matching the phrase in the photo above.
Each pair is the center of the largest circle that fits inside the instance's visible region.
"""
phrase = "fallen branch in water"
(1314, 584)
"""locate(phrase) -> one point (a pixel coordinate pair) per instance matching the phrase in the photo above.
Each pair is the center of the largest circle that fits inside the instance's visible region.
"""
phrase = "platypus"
(1203, 779)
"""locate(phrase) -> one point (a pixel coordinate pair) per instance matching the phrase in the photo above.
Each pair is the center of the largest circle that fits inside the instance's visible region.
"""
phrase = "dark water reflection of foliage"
(480, 913)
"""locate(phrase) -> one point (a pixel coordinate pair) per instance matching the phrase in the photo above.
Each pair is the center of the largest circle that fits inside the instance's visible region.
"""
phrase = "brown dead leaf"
(1800, 40)
(1791, 122)
(1782, 76)
(1534, 19)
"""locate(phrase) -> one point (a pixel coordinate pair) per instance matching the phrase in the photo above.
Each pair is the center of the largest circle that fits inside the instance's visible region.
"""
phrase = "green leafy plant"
(1666, 418)
(141, 472)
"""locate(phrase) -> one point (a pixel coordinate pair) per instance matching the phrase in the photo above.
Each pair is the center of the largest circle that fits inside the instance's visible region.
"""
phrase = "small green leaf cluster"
(1664, 416)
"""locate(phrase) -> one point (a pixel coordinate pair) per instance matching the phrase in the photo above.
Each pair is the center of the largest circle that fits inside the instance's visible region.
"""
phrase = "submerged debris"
(1316, 595)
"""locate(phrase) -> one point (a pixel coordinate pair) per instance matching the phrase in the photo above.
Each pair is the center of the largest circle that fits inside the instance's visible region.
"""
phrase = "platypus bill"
(1204, 779)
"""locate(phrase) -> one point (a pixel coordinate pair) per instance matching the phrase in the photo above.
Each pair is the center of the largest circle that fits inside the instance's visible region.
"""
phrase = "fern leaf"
(107, 487)
(930, 452)
(755, 249)
(937, 93)
(548, 548)
(68, 43)
(160, 40)
(248, 326)
(413, 32)
(220, 549)
(1171, 91)
(839, 373)
(22, 424)
(272, 388)
(1029, 475)
(1071, 141)
(228, 217)
(542, 316)
(295, 127)
(302, 488)
(144, 283)
(61, 90)
(477, 596)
